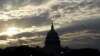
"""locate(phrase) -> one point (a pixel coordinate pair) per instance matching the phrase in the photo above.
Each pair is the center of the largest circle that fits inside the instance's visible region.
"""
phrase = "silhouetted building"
(52, 42)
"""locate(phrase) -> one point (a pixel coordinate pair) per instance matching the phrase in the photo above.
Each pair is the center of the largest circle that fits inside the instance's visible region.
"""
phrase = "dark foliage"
(37, 51)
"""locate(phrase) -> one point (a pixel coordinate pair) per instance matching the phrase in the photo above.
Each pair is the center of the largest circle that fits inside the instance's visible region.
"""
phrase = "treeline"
(37, 51)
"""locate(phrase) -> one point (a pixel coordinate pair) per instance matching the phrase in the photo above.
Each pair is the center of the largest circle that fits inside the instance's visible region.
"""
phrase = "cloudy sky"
(26, 22)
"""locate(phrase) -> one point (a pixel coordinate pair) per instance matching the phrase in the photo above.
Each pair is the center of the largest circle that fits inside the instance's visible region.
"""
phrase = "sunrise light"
(11, 31)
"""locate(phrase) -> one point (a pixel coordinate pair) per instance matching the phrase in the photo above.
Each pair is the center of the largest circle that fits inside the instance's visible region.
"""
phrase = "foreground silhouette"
(37, 51)
(52, 43)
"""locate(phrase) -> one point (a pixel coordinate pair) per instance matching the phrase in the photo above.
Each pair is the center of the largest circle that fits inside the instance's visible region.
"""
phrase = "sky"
(26, 22)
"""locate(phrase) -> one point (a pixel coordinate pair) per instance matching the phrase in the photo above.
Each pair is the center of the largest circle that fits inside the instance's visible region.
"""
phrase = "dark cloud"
(39, 2)
(2, 25)
(21, 42)
(3, 37)
(27, 22)
(31, 21)
(83, 42)
(91, 3)
(93, 25)
(25, 34)
(30, 34)
(2, 3)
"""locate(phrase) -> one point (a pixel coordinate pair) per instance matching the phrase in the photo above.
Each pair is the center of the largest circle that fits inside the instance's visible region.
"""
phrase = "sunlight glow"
(11, 31)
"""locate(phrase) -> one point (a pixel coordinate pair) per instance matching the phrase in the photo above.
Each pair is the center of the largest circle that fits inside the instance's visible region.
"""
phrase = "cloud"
(19, 3)
(2, 25)
(39, 2)
(90, 3)
(4, 37)
(92, 24)
(31, 21)
(81, 34)
(28, 23)
(26, 34)
(81, 40)
(33, 40)
(62, 11)
(70, 11)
